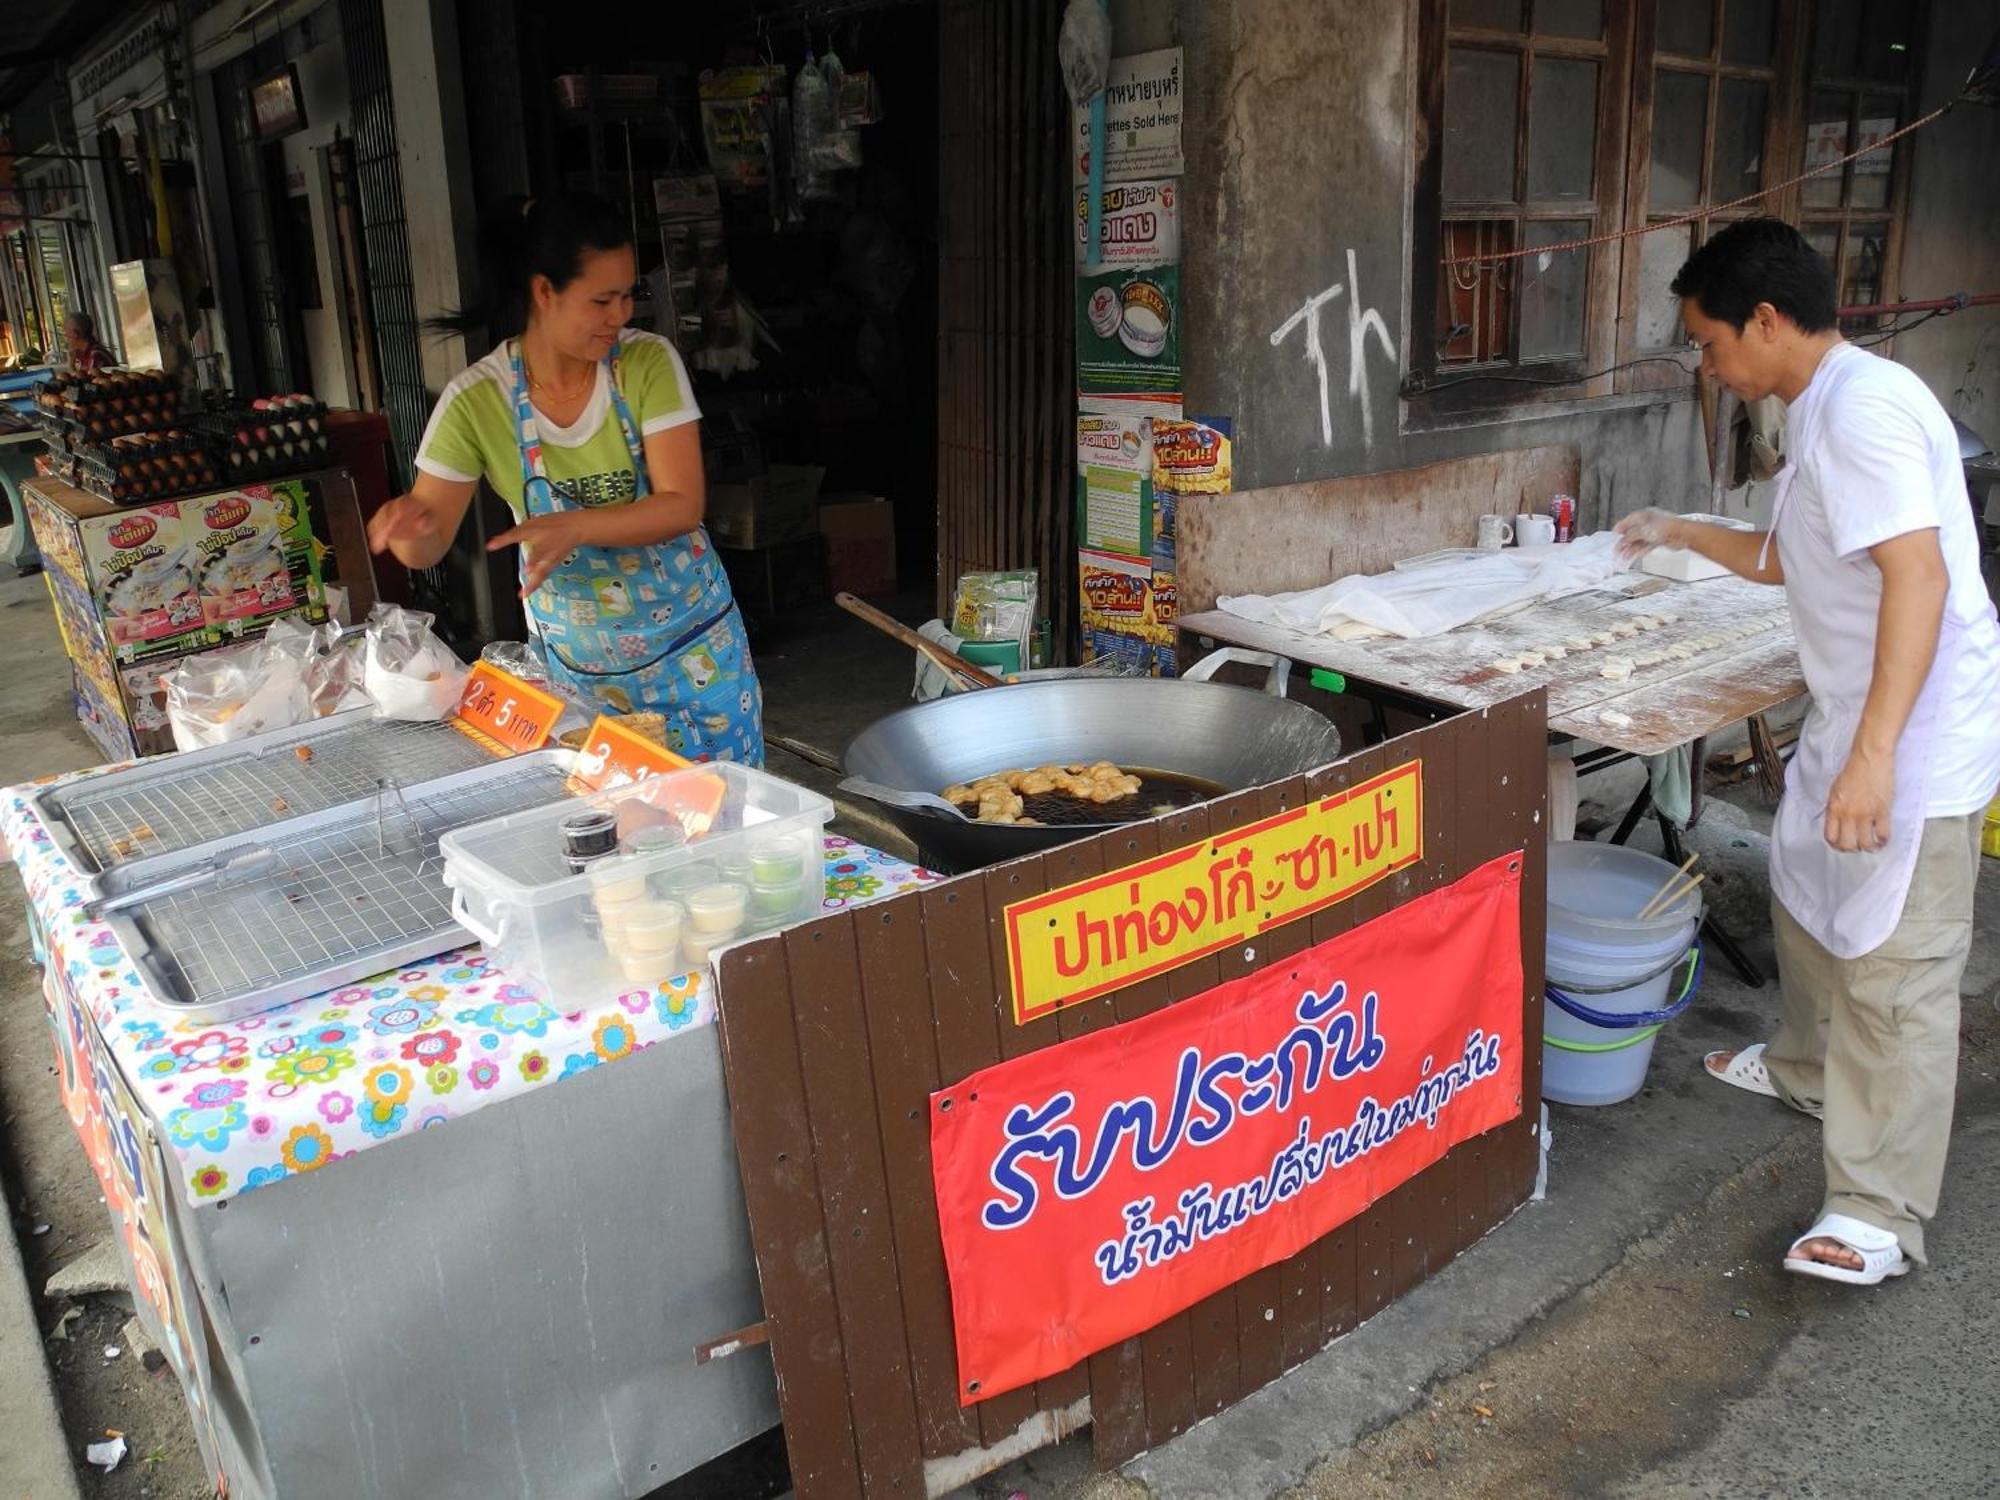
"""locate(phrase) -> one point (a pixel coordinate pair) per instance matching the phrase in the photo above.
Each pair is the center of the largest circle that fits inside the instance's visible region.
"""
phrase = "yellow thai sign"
(1099, 935)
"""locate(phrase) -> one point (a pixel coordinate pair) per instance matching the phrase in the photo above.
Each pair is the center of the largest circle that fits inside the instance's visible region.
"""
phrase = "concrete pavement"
(34, 1459)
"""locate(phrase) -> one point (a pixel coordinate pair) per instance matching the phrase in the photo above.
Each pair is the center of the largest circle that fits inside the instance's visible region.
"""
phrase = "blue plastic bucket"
(1610, 973)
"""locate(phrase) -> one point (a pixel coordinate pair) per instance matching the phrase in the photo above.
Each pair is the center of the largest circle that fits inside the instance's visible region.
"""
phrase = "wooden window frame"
(1845, 218)
(1784, 131)
(1630, 57)
(1612, 54)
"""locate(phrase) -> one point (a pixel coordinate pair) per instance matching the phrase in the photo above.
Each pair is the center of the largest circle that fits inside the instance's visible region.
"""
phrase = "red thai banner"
(1088, 1191)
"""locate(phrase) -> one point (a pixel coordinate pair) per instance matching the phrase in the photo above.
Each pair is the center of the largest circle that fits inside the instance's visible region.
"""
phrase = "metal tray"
(178, 802)
(358, 889)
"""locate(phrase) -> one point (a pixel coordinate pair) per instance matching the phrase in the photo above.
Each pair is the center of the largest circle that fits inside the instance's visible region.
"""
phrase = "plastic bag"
(838, 148)
(223, 696)
(1084, 48)
(407, 670)
(812, 119)
(997, 607)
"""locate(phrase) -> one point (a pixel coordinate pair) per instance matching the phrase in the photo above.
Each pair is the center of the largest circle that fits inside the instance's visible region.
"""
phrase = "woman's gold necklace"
(556, 391)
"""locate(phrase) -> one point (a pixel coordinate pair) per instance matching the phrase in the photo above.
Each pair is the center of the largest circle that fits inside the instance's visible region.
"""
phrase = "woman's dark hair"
(1760, 260)
(522, 238)
(84, 324)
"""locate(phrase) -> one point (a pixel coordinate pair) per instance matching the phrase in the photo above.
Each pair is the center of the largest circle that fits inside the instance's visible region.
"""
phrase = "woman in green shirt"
(589, 431)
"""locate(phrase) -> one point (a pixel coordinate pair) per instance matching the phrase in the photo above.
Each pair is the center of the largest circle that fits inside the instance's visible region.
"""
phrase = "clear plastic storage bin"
(704, 857)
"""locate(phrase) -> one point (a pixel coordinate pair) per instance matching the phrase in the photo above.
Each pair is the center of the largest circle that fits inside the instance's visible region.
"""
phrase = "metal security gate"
(385, 230)
(1006, 408)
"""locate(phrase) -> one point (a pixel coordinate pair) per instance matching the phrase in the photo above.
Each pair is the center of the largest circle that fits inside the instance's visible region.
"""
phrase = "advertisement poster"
(1141, 225)
(1092, 1189)
(1194, 457)
(1142, 120)
(1128, 346)
(1114, 482)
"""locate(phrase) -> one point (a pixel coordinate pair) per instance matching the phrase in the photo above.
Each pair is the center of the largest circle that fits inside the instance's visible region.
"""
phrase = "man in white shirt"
(1876, 848)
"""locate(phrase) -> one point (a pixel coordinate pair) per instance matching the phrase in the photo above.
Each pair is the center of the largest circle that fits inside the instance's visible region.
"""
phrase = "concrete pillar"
(425, 85)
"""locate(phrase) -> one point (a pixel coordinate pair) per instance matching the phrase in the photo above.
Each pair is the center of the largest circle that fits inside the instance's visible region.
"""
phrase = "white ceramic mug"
(1494, 533)
(1535, 531)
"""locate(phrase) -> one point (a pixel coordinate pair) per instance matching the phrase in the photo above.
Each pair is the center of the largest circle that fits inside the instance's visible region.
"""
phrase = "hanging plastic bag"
(838, 149)
(812, 120)
(408, 671)
(1084, 48)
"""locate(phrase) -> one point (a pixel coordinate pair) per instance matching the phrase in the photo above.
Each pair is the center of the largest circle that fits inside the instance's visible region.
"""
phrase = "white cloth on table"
(1431, 600)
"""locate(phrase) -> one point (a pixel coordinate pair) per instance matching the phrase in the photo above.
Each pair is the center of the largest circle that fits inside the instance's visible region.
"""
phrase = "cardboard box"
(240, 561)
(181, 575)
(860, 532)
(773, 507)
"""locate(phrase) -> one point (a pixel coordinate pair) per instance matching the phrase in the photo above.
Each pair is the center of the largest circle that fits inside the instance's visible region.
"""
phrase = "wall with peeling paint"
(1295, 277)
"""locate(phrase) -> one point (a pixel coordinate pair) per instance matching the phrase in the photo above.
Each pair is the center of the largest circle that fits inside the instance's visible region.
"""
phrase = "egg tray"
(138, 475)
(249, 445)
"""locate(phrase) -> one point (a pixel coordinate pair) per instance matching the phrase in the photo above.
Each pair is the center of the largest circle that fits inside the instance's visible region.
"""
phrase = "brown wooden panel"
(1258, 1296)
(834, 1061)
(895, 987)
(781, 1189)
(1012, 882)
(1165, 1352)
(964, 995)
(1116, 1375)
(890, 1002)
(1333, 1256)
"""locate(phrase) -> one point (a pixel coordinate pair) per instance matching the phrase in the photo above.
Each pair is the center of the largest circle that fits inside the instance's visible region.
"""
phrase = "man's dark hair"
(1759, 260)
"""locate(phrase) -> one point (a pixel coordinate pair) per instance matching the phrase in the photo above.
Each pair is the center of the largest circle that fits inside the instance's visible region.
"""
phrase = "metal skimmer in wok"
(1232, 737)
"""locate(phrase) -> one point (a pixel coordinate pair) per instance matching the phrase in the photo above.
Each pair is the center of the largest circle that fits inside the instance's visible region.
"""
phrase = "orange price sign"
(614, 755)
(499, 706)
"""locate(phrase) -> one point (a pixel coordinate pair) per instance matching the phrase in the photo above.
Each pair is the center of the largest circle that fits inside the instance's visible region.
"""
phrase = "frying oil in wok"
(1159, 792)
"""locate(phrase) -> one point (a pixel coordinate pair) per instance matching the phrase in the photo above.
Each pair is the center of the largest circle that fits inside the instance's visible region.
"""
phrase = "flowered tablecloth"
(247, 1102)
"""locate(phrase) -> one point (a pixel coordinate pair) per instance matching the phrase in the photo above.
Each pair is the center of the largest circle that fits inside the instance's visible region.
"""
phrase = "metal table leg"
(16, 465)
(1714, 931)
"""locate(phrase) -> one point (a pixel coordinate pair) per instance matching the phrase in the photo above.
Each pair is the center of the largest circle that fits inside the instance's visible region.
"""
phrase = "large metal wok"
(1235, 737)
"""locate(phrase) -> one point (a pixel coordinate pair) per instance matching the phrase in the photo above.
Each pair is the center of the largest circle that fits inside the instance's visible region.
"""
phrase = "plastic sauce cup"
(776, 898)
(698, 947)
(653, 927)
(717, 908)
(688, 877)
(615, 880)
(776, 860)
(646, 968)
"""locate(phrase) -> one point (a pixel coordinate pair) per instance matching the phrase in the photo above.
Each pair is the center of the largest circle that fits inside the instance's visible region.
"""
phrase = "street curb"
(34, 1460)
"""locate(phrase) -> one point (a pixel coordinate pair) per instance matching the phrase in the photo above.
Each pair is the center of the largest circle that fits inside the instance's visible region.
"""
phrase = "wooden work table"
(1750, 664)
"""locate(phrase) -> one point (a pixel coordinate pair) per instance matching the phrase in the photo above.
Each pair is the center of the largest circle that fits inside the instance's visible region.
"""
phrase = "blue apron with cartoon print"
(651, 628)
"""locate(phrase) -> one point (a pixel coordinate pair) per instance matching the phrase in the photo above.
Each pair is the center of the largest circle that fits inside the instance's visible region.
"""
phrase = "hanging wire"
(1494, 261)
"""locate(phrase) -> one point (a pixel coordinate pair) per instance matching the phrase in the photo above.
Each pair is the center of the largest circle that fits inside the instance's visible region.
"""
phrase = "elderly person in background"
(80, 338)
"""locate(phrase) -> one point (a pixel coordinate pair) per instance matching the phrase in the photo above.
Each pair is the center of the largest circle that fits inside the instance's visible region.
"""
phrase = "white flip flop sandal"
(1745, 1070)
(1881, 1255)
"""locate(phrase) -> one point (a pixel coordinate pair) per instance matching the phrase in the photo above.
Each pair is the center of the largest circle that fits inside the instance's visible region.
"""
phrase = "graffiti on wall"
(1363, 324)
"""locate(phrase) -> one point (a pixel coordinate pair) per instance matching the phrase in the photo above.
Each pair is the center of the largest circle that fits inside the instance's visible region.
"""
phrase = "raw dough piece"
(1505, 664)
(1533, 658)
(1625, 628)
(1615, 719)
(1648, 622)
(1618, 668)
(1681, 652)
(1555, 653)
(1603, 638)
(1582, 642)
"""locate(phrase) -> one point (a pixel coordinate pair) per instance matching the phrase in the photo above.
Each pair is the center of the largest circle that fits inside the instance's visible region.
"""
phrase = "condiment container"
(718, 908)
